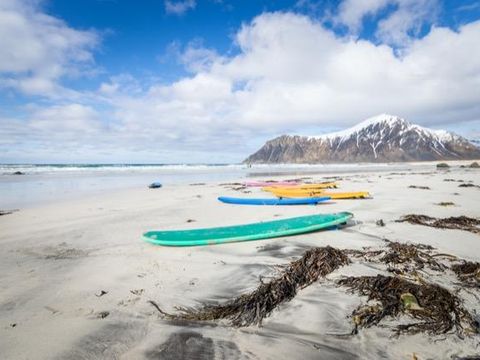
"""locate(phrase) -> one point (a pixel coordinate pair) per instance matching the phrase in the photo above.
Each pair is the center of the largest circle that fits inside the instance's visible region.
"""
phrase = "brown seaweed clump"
(401, 258)
(446, 203)
(468, 273)
(435, 309)
(7, 212)
(468, 185)
(410, 257)
(455, 222)
(419, 187)
(252, 308)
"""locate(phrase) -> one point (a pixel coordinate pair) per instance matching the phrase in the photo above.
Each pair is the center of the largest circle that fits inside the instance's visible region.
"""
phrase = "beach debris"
(102, 314)
(442, 166)
(446, 203)
(434, 309)
(101, 293)
(12, 325)
(252, 308)
(474, 165)
(419, 187)
(7, 212)
(190, 220)
(380, 222)
(410, 302)
(455, 222)
(468, 273)
(18, 173)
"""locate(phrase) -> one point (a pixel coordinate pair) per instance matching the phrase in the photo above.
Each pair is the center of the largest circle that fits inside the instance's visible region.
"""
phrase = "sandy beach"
(76, 278)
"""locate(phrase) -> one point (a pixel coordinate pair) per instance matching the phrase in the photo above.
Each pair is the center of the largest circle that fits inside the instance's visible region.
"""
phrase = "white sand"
(55, 258)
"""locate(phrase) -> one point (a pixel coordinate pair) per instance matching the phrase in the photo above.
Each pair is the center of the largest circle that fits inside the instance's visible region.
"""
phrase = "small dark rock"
(13, 325)
(442, 166)
(18, 173)
(380, 222)
(474, 165)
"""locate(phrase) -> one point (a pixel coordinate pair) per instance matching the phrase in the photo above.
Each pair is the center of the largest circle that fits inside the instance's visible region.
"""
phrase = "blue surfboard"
(296, 201)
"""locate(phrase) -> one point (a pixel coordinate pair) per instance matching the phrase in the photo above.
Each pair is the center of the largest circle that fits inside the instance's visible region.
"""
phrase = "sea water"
(43, 183)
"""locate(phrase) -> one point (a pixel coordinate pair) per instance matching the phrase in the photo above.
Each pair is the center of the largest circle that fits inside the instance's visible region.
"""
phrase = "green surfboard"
(255, 231)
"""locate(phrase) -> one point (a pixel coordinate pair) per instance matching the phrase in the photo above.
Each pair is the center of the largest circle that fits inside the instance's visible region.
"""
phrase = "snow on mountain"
(380, 138)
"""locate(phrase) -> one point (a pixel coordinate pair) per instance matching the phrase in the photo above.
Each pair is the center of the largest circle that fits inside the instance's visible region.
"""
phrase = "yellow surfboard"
(313, 193)
(326, 185)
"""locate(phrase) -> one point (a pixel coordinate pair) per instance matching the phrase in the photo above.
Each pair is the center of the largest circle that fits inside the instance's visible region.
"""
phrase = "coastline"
(58, 257)
(44, 184)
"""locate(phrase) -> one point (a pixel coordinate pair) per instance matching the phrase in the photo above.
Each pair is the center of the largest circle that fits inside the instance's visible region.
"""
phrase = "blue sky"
(210, 81)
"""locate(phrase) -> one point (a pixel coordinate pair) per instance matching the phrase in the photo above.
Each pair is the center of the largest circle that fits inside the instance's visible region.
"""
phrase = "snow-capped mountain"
(382, 138)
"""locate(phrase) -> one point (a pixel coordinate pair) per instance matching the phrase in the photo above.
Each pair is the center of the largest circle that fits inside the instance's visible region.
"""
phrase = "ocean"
(44, 183)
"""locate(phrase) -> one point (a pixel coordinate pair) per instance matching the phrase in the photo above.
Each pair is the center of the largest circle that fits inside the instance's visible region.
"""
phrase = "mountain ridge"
(381, 138)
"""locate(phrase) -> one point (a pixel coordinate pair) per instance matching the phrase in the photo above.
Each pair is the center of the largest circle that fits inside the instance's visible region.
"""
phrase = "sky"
(209, 81)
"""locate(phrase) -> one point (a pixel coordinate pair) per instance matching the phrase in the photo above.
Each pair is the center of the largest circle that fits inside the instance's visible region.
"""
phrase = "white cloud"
(352, 12)
(290, 73)
(72, 119)
(405, 18)
(179, 7)
(293, 72)
(37, 50)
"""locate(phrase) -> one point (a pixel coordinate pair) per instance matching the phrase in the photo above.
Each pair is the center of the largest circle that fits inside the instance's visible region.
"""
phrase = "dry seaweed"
(401, 258)
(446, 203)
(468, 273)
(419, 187)
(455, 222)
(252, 308)
(469, 185)
(7, 212)
(435, 309)
(410, 257)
